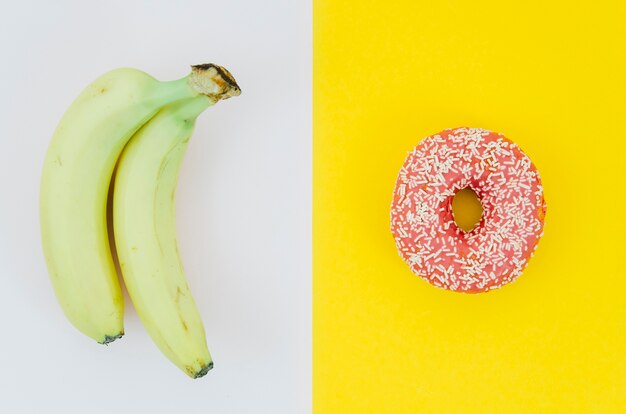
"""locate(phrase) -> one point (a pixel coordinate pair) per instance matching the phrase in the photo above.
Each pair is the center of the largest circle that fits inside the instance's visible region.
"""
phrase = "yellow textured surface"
(552, 77)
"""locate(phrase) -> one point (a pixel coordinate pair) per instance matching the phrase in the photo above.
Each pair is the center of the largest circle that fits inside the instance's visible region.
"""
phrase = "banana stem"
(213, 81)
(190, 109)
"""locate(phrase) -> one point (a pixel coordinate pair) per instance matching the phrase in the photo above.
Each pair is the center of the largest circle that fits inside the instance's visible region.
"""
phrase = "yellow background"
(552, 77)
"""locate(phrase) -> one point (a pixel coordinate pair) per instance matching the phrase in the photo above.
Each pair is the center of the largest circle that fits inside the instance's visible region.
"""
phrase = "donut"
(498, 248)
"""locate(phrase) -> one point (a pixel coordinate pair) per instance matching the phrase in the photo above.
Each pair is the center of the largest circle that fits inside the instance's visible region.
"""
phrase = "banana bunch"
(129, 119)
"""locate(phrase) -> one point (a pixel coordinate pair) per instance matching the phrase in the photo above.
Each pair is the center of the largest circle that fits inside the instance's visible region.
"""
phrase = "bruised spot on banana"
(121, 106)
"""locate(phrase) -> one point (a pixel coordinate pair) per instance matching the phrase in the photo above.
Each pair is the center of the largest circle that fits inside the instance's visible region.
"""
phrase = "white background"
(243, 206)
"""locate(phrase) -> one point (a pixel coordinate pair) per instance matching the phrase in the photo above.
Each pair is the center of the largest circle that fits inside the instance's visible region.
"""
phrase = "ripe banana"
(145, 232)
(75, 179)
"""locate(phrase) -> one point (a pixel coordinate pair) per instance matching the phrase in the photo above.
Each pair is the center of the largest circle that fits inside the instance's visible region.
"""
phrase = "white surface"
(243, 206)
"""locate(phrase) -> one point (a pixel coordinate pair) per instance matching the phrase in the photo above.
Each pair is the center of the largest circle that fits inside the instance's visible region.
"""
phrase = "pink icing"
(508, 186)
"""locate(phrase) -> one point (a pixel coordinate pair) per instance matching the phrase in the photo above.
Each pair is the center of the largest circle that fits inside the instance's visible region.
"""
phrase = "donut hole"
(466, 209)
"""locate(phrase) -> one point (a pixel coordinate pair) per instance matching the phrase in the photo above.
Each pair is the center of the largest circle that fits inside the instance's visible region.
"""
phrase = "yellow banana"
(145, 230)
(75, 178)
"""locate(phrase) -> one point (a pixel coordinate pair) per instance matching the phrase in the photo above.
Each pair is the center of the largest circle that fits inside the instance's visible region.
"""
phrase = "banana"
(75, 179)
(145, 232)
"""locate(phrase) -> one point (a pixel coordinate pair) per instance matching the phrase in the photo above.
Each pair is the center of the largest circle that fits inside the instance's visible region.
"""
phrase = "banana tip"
(110, 338)
(204, 370)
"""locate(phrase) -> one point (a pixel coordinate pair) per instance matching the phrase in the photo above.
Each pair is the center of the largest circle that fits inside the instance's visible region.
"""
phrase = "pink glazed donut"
(508, 186)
